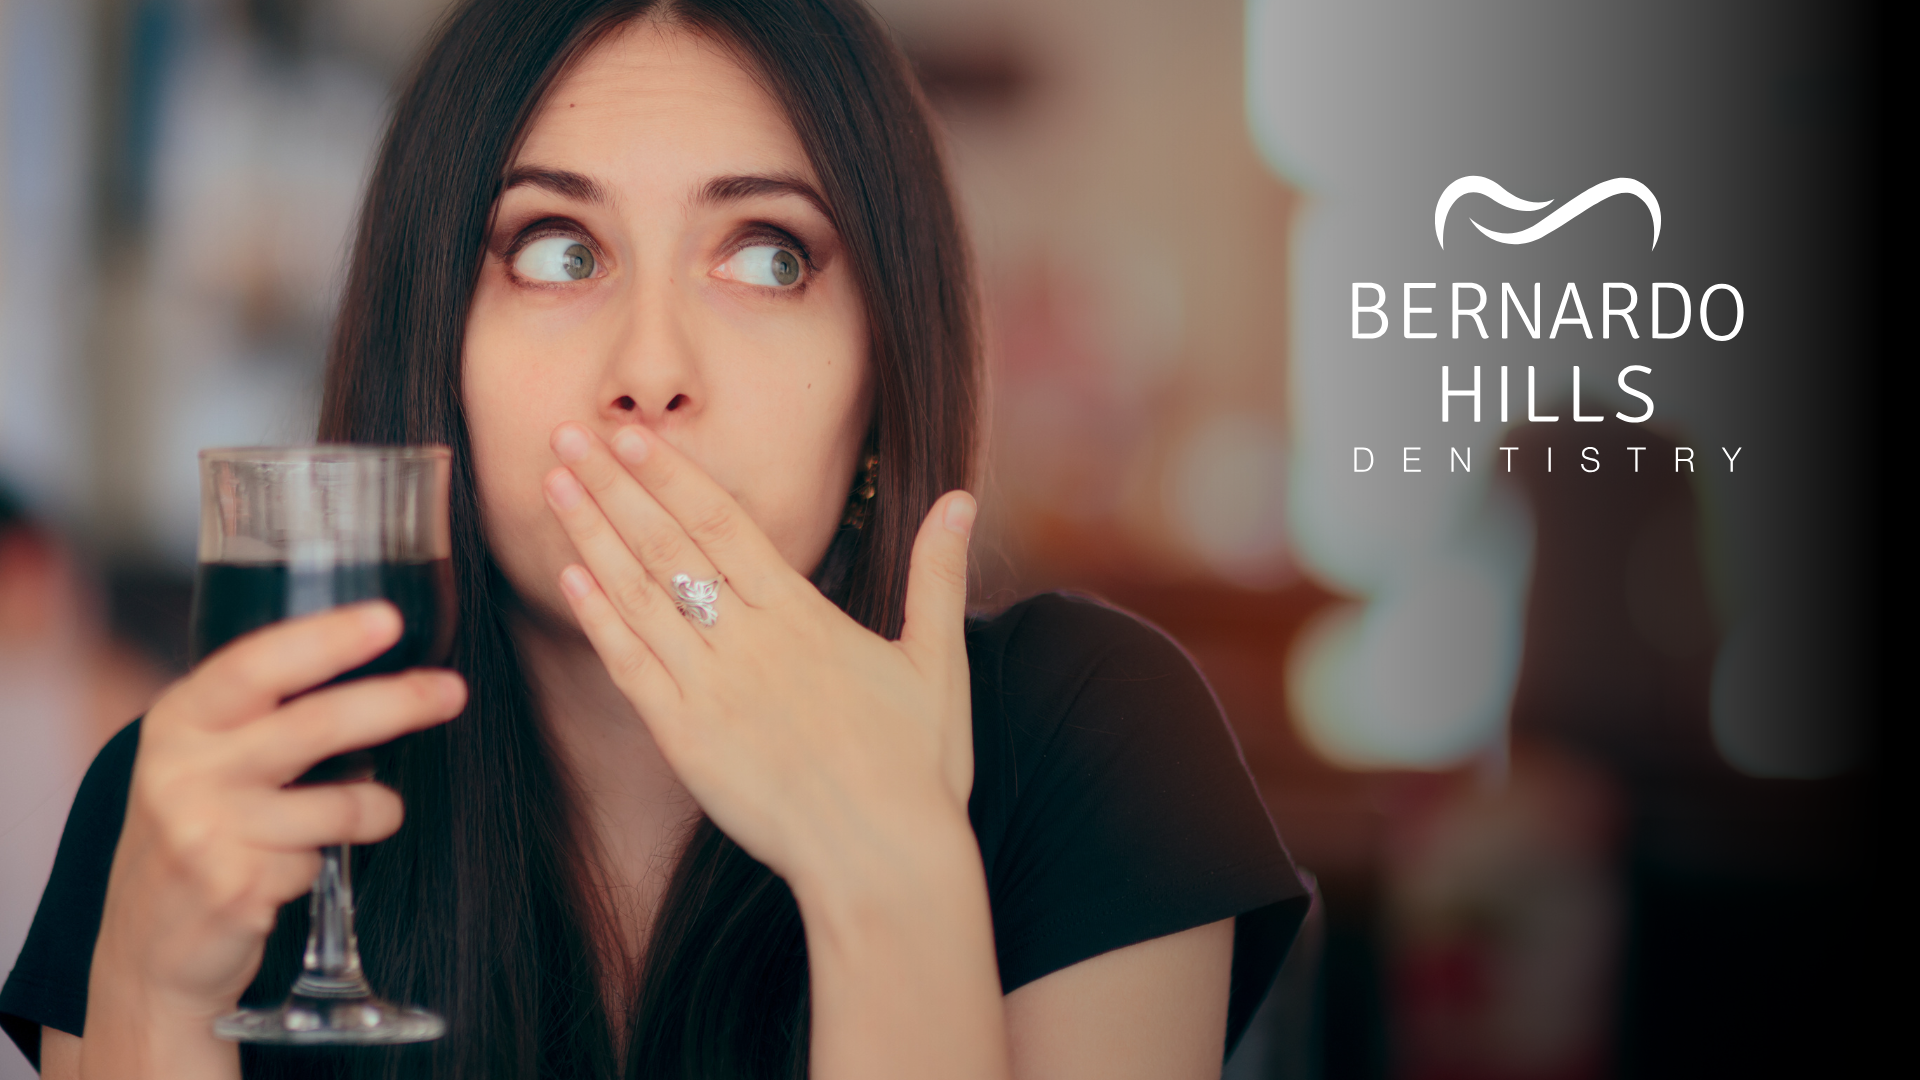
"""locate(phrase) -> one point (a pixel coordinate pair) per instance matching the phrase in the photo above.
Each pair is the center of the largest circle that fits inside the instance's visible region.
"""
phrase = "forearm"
(903, 971)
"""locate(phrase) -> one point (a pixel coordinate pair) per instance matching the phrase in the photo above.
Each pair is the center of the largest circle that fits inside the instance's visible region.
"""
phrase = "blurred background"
(1560, 849)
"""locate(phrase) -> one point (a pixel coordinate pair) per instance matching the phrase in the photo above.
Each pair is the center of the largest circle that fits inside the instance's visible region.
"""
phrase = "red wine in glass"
(289, 531)
(231, 599)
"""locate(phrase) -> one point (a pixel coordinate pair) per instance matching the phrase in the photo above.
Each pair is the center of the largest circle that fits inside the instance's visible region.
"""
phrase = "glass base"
(360, 1020)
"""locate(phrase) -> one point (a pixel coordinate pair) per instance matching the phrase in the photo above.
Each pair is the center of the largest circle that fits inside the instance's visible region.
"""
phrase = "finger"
(283, 878)
(249, 893)
(256, 672)
(708, 515)
(634, 666)
(651, 533)
(304, 818)
(367, 712)
(641, 602)
(934, 631)
(664, 549)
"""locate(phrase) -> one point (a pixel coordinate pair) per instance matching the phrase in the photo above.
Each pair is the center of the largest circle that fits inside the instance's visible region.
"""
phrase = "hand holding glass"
(287, 531)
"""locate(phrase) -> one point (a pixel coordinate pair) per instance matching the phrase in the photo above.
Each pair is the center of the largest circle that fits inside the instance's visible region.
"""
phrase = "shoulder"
(1055, 645)
(1087, 718)
(1063, 618)
(48, 984)
(113, 766)
(1110, 798)
(1062, 680)
(100, 807)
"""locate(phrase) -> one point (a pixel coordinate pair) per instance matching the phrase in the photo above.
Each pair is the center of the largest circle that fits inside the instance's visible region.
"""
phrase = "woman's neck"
(636, 812)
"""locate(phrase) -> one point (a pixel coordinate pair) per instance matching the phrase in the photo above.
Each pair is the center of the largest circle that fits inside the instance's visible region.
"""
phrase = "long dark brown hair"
(479, 907)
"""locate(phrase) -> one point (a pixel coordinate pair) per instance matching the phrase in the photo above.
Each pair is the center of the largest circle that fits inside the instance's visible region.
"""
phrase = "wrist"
(138, 1025)
(923, 867)
(132, 1031)
(901, 960)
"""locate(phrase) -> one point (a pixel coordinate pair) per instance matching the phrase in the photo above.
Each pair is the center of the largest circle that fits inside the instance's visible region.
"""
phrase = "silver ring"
(696, 599)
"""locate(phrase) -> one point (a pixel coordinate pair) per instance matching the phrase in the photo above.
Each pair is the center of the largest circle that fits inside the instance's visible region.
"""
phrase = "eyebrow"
(720, 189)
(723, 189)
(571, 185)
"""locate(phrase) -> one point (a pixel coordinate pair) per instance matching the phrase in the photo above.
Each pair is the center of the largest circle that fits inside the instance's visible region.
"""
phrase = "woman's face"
(660, 255)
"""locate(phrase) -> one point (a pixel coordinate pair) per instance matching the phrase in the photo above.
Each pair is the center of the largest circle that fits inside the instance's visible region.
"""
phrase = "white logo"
(1574, 207)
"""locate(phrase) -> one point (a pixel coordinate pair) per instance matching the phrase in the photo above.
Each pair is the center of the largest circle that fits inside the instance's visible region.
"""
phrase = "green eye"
(578, 262)
(786, 268)
(763, 264)
(555, 258)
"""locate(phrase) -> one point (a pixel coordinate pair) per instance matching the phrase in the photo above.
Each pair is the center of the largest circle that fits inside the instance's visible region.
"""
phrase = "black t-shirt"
(1109, 799)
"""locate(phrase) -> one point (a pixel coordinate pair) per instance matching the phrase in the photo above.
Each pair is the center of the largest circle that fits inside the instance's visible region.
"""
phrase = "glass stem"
(331, 966)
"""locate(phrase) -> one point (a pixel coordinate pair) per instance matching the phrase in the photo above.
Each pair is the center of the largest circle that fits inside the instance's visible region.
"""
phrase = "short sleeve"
(48, 984)
(1111, 800)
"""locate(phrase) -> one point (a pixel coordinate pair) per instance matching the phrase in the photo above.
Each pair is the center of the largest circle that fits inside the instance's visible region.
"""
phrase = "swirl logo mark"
(1572, 208)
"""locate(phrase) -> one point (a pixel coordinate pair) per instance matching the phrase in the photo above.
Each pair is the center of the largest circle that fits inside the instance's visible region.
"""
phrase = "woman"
(672, 281)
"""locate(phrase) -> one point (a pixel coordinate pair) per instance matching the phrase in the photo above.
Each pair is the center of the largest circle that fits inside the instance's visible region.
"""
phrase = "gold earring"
(860, 502)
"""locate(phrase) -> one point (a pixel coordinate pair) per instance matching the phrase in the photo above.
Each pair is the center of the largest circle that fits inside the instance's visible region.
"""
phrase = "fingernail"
(630, 445)
(380, 617)
(569, 444)
(564, 490)
(574, 581)
(453, 689)
(960, 514)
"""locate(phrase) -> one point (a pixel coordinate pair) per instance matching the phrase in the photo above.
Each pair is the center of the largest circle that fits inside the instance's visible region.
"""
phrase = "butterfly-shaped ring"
(696, 599)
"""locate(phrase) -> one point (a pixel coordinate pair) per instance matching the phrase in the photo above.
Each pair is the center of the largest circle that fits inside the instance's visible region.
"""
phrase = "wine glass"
(287, 531)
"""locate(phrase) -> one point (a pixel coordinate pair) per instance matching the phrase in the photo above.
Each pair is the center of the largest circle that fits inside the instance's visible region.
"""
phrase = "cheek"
(808, 469)
(512, 406)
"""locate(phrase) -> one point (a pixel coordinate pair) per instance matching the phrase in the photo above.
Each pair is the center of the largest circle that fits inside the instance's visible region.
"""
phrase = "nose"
(652, 372)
